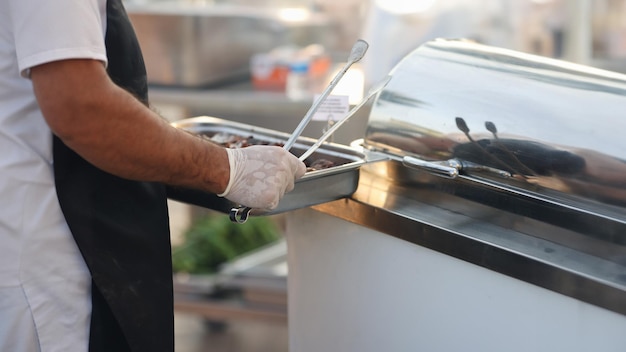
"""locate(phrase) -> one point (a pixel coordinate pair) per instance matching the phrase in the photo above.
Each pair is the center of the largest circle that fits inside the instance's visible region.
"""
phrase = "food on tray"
(230, 140)
(320, 164)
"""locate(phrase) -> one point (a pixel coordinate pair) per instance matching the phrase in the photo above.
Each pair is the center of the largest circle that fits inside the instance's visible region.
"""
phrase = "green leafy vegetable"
(214, 240)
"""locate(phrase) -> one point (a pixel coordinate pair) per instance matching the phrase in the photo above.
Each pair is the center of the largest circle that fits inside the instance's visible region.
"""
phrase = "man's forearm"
(114, 131)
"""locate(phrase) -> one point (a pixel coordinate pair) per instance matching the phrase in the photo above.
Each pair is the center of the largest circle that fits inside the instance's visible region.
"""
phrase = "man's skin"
(114, 131)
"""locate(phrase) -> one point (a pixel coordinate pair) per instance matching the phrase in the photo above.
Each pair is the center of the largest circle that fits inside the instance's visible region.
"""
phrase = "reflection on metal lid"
(551, 125)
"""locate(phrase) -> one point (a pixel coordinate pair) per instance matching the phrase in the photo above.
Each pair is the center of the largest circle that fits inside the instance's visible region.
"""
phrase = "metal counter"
(179, 38)
(403, 268)
(357, 288)
(559, 259)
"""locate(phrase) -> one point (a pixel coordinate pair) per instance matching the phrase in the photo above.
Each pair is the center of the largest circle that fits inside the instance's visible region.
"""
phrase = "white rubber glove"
(260, 175)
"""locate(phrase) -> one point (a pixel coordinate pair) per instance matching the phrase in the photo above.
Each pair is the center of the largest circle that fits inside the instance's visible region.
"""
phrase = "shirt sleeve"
(52, 30)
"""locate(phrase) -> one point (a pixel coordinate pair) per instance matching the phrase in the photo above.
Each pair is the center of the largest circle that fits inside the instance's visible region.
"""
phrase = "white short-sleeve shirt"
(45, 299)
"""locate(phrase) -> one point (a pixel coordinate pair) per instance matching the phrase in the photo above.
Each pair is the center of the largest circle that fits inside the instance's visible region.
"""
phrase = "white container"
(298, 85)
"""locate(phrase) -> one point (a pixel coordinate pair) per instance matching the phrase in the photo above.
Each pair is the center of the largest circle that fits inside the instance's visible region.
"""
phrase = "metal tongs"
(371, 92)
(240, 214)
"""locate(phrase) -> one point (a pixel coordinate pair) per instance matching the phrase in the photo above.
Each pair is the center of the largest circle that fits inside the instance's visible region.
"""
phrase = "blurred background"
(261, 62)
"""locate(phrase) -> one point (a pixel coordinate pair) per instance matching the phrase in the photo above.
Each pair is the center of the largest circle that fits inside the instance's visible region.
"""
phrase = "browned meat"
(235, 141)
(320, 164)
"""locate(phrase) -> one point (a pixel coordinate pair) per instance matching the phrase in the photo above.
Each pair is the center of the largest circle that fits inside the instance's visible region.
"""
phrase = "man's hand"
(260, 175)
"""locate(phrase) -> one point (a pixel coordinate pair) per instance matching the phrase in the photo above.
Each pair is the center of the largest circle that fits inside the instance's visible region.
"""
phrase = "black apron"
(121, 226)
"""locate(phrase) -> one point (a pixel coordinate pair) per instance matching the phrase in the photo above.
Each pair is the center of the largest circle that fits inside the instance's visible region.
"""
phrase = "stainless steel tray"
(315, 187)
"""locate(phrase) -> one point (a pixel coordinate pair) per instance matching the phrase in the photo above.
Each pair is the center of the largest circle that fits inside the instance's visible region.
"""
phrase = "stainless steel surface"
(558, 134)
(444, 169)
(438, 214)
(356, 54)
(375, 89)
(191, 43)
(314, 187)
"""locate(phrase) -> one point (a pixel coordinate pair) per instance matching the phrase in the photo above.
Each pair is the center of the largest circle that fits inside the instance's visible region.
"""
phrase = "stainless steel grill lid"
(550, 128)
